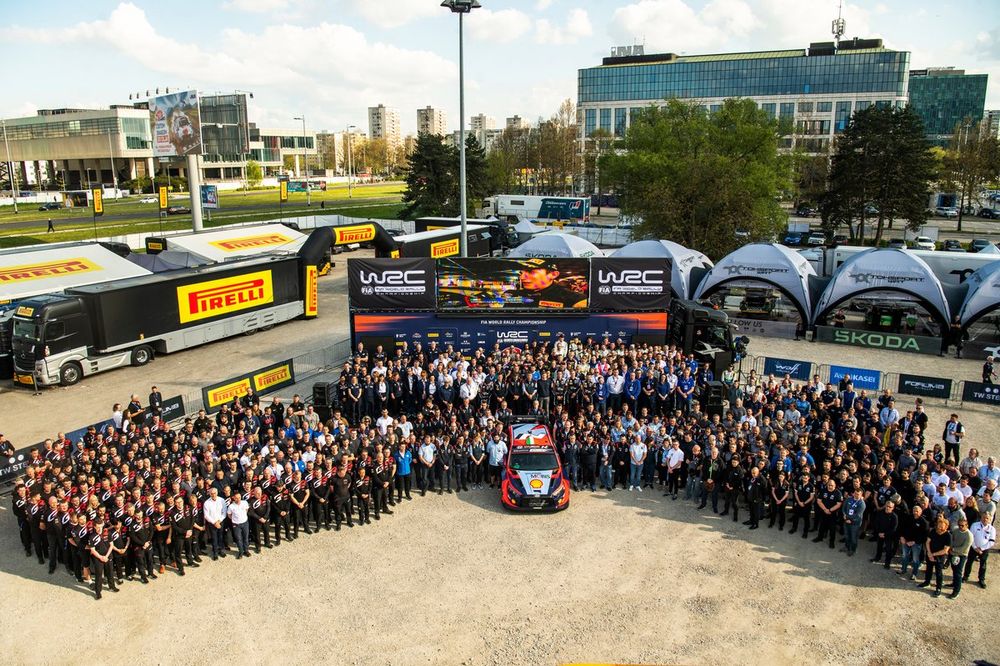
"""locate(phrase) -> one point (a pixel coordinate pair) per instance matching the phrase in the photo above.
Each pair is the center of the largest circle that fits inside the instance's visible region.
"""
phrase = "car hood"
(535, 482)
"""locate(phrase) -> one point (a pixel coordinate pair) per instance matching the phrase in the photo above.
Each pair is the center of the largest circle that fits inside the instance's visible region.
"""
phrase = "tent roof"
(884, 269)
(228, 243)
(983, 294)
(683, 260)
(556, 244)
(48, 270)
(768, 263)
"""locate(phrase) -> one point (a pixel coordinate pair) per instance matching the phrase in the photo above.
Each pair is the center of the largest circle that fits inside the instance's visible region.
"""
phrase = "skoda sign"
(917, 344)
(779, 367)
(861, 378)
(930, 387)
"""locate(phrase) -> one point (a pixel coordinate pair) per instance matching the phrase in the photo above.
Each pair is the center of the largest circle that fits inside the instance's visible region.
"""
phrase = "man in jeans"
(637, 455)
(238, 510)
(215, 513)
(854, 511)
(911, 538)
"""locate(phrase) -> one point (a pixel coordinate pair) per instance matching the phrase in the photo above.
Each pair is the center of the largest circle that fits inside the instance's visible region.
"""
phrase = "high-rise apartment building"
(431, 121)
(383, 123)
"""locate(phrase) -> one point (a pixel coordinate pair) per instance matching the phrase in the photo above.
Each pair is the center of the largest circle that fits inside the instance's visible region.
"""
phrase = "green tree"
(882, 166)
(255, 175)
(431, 180)
(698, 178)
(476, 176)
(810, 176)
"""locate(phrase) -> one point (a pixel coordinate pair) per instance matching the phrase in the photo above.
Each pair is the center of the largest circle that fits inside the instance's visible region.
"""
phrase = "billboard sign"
(930, 387)
(979, 392)
(512, 284)
(175, 121)
(861, 378)
(391, 284)
(918, 344)
(779, 367)
(766, 328)
(629, 284)
(209, 196)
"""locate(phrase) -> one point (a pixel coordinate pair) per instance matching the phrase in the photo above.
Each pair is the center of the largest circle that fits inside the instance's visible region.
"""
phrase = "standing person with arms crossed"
(238, 513)
(215, 513)
(984, 538)
(938, 547)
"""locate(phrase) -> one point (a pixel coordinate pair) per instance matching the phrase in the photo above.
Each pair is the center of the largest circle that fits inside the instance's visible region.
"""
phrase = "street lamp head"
(461, 6)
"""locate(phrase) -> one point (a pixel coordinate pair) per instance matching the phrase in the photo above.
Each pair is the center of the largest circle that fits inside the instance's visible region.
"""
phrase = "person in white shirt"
(384, 422)
(215, 512)
(560, 347)
(984, 537)
(497, 450)
(675, 458)
(404, 426)
(238, 509)
(637, 452)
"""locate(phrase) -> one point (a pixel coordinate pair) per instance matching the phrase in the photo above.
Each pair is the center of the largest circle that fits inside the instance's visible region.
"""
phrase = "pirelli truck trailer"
(59, 339)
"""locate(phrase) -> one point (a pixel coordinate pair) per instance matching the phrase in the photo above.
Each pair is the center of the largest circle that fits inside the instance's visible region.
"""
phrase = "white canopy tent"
(556, 245)
(885, 269)
(227, 244)
(683, 261)
(983, 295)
(49, 270)
(767, 264)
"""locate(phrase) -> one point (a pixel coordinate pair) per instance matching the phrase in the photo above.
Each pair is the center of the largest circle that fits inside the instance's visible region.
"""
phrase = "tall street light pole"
(350, 162)
(461, 7)
(305, 158)
(10, 166)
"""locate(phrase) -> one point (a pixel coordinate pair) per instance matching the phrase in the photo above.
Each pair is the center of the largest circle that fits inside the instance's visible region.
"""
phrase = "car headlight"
(559, 491)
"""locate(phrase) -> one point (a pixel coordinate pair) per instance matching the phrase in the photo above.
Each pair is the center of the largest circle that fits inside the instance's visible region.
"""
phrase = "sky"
(331, 59)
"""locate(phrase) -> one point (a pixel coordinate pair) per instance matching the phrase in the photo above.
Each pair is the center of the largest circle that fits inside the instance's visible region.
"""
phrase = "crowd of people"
(142, 497)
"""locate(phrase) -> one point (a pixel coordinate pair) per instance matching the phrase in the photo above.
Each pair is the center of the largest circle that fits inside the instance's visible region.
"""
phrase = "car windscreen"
(528, 462)
(26, 329)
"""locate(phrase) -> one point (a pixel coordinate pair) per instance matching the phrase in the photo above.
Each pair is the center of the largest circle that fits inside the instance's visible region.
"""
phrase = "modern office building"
(945, 98)
(432, 121)
(482, 122)
(383, 123)
(817, 88)
(992, 123)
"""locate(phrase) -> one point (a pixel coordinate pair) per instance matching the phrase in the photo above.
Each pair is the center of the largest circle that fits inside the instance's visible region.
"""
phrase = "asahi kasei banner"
(391, 284)
(629, 284)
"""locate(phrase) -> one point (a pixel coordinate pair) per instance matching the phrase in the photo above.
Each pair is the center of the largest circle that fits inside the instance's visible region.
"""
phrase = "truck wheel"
(142, 355)
(70, 374)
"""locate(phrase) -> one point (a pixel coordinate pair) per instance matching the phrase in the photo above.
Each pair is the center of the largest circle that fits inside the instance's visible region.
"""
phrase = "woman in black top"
(938, 547)
(779, 498)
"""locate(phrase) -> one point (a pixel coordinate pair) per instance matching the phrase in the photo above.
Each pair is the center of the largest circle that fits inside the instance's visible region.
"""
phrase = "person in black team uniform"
(363, 496)
(280, 513)
(21, 506)
(141, 540)
(100, 562)
(52, 527)
(319, 490)
(300, 502)
(181, 534)
(733, 485)
(755, 493)
(803, 498)
(342, 498)
(259, 516)
(828, 509)
(381, 486)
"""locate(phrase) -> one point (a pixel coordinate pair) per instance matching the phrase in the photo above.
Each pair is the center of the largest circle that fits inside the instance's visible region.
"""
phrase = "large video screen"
(512, 284)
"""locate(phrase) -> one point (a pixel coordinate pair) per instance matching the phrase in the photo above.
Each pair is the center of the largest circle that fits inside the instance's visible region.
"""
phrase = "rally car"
(534, 480)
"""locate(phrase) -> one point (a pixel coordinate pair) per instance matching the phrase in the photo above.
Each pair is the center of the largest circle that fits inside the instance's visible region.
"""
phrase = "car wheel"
(142, 355)
(70, 374)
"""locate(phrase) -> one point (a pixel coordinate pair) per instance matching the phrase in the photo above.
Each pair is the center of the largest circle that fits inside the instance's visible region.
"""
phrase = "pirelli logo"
(250, 242)
(361, 233)
(262, 381)
(312, 292)
(224, 296)
(444, 248)
(50, 269)
(221, 395)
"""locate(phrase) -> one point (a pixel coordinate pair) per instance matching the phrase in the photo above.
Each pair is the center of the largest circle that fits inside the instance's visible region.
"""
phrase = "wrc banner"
(264, 380)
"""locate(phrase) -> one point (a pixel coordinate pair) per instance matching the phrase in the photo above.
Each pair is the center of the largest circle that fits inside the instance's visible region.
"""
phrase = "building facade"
(992, 124)
(944, 98)
(432, 121)
(816, 89)
(481, 122)
(517, 123)
(383, 123)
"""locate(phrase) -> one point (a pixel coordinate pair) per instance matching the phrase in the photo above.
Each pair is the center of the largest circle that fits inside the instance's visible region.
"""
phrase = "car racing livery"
(534, 479)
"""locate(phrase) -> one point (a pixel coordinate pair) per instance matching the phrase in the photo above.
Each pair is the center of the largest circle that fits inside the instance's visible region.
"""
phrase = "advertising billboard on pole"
(175, 121)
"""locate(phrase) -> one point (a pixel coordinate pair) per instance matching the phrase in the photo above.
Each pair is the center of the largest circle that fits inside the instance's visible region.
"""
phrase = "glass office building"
(946, 97)
(817, 88)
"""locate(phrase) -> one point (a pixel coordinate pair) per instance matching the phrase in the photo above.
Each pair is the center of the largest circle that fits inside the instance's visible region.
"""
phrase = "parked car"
(978, 244)
(178, 210)
(812, 253)
(897, 243)
(840, 239)
(51, 205)
(805, 211)
(924, 243)
(952, 245)
(870, 210)
(946, 211)
(989, 213)
(793, 238)
(816, 238)
(149, 198)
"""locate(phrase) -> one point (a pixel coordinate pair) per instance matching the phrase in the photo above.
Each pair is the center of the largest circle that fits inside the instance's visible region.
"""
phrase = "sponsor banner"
(629, 284)
(391, 284)
(171, 408)
(25, 272)
(930, 387)
(917, 344)
(764, 327)
(270, 378)
(283, 191)
(779, 367)
(862, 378)
(358, 233)
(154, 246)
(979, 392)
(446, 248)
(513, 284)
(209, 196)
(274, 377)
(98, 195)
(13, 466)
(164, 200)
(175, 121)
(312, 292)
(250, 242)
(213, 298)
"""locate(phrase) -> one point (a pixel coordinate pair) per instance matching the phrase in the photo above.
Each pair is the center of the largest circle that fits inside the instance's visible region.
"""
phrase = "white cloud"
(256, 6)
(499, 27)
(575, 27)
(394, 13)
(796, 23)
(542, 5)
(673, 25)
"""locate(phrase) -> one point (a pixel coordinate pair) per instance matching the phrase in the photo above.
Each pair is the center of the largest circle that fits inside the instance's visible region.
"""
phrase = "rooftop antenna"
(839, 25)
